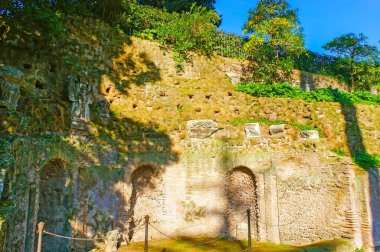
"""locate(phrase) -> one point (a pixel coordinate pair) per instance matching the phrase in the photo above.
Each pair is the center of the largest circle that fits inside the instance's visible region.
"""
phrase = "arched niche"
(146, 183)
(53, 205)
(242, 194)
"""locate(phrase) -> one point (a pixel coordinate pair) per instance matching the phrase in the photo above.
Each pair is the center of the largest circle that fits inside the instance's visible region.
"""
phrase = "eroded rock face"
(252, 130)
(201, 128)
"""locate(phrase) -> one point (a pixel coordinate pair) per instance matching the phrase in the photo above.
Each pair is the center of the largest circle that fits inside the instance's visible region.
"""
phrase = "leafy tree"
(358, 58)
(36, 17)
(4, 29)
(189, 31)
(177, 5)
(115, 12)
(275, 37)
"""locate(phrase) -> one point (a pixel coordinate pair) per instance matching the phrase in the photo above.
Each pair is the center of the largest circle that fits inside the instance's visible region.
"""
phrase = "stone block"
(277, 129)
(252, 130)
(309, 134)
(201, 128)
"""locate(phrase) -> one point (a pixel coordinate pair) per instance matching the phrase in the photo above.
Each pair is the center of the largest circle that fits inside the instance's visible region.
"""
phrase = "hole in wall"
(229, 93)
(53, 68)
(208, 97)
(27, 66)
(134, 106)
(108, 90)
(39, 84)
(190, 96)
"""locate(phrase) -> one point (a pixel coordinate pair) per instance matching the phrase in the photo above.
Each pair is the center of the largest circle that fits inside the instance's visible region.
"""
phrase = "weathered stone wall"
(151, 153)
(296, 196)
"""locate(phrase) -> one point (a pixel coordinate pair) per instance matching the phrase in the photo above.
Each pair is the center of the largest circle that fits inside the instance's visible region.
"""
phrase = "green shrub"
(285, 90)
(366, 160)
(146, 21)
(360, 250)
(189, 31)
(192, 30)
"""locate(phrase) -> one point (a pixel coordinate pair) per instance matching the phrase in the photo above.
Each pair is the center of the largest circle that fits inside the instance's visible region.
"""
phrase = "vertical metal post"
(146, 233)
(249, 228)
(40, 231)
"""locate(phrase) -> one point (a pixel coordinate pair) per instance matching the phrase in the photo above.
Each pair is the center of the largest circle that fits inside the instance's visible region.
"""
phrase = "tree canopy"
(358, 58)
(177, 5)
(275, 37)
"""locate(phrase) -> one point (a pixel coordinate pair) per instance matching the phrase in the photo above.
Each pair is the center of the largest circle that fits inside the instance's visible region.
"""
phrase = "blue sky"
(322, 20)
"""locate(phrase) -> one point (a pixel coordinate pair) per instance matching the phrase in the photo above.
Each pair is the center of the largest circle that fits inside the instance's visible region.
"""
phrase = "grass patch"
(266, 121)
(4, 206)
(185, 245)
(285, 90)
(340, 152)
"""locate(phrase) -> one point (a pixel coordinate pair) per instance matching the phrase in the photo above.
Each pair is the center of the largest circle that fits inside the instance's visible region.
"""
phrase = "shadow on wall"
(366, 161)
(54, 205)
(241, 193)
(145, 188)
(51, 113)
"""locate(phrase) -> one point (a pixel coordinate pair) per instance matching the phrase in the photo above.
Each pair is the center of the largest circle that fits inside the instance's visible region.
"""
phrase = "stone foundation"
(296, 197)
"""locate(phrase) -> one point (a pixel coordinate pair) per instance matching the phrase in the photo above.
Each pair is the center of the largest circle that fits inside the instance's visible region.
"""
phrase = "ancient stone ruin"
(100, 153)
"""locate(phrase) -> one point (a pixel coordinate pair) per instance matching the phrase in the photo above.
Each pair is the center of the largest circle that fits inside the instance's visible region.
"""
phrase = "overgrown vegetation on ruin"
(286, 90)
(185, 26)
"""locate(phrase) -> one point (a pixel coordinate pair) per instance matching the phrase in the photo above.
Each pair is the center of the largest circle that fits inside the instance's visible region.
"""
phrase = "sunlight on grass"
(186, 244)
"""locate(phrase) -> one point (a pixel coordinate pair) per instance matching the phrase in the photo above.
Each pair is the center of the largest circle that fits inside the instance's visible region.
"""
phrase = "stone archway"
(53, 205)
(146, 189)
(241, 193)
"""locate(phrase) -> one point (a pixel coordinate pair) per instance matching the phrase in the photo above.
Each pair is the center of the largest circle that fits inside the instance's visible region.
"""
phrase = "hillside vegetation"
(274, 37)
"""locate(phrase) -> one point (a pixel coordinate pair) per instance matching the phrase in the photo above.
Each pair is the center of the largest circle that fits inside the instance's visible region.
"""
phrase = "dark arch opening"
(241, 192)
(53, 205)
